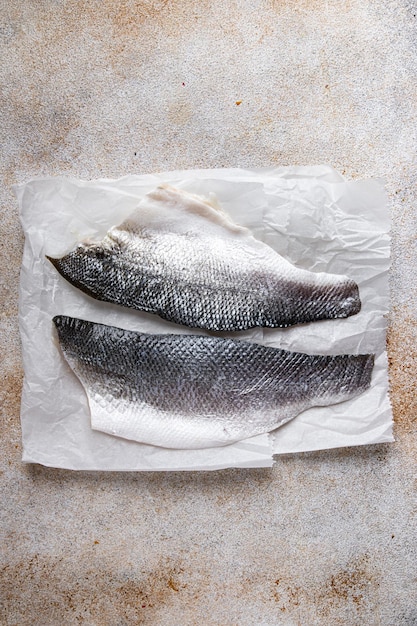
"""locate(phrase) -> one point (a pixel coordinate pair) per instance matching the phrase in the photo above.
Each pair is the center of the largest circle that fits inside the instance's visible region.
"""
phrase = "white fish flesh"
(190, 391)
(182, 258)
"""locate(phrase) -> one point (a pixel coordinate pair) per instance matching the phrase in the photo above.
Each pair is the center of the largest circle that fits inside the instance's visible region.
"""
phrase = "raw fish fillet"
(189, 391)
(184, 259)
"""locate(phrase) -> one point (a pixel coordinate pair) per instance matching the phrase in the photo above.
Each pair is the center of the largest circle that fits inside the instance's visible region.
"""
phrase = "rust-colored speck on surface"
(173, 584)
(349, 583)
(402, 356)
(11, 389)
(10, 395)
(52, 587)
(286, 594)
(128, 14)
(355, 585)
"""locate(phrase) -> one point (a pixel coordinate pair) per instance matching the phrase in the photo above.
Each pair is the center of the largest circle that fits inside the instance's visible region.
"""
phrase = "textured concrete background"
(96, 88)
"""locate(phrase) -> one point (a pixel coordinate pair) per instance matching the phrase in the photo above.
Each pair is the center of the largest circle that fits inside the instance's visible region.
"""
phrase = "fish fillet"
(182, 258)
(189, 391)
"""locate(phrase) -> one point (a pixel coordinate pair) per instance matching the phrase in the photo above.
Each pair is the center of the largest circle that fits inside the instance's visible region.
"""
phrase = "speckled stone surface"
(104, 88)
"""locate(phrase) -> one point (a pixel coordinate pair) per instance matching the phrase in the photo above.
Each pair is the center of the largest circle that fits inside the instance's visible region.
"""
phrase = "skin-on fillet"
(184, 259)
(188, 391)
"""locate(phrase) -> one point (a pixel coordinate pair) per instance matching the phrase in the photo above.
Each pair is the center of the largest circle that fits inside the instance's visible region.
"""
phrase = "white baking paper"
(310, 215)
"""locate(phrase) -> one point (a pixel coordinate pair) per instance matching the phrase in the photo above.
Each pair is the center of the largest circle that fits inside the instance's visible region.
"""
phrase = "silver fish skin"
(182, 258)
(190, 391)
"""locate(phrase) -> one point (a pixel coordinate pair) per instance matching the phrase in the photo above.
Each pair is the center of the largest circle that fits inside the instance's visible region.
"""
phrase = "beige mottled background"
(93, 88)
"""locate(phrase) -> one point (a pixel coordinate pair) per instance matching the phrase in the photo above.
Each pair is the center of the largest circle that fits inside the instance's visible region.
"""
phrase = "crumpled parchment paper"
(310, 215)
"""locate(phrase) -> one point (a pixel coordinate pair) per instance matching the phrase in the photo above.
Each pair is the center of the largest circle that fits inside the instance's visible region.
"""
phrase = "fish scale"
(191, 391)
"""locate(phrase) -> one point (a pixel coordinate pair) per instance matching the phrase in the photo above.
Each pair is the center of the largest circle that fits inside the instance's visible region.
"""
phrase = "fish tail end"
(356, 303)
(350, 301)
(59, 320)
(368, 361)
(55, 262)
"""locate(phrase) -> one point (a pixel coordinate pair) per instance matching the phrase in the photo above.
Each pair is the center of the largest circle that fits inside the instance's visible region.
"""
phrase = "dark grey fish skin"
(182, 259)
(189, 391)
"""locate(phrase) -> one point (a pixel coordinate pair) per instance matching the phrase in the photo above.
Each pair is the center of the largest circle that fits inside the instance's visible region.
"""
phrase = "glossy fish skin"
(182, 258)
(190, 391)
